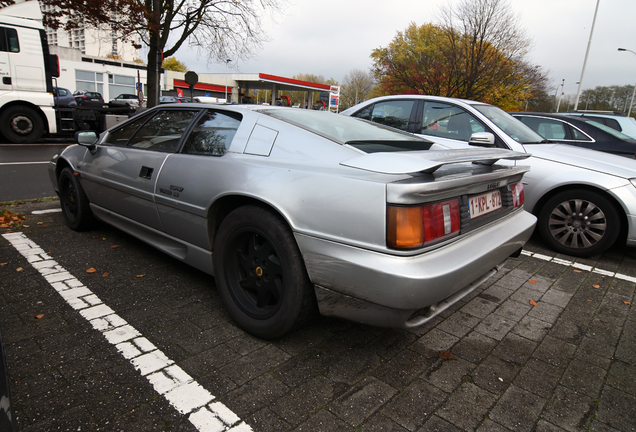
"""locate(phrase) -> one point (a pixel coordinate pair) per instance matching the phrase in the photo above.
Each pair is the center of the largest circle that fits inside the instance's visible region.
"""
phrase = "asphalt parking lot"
(103, 333)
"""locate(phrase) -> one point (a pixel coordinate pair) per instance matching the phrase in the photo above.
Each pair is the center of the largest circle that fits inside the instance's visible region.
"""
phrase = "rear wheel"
(75, 205)
(21, 125)
(579, 222)
(260, 273)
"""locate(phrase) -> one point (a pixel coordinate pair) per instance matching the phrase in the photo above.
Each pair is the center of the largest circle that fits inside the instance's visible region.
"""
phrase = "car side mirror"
(87, 139)
(482, 139)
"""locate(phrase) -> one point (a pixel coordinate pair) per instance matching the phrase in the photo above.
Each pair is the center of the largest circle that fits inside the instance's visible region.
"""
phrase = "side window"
(393, 113)
(62, 92)
(163, 132)
(9, 40)
(578, 135)
(121, 136)
(213, 134)
(365, 113)
(449, 121)
(548, 129)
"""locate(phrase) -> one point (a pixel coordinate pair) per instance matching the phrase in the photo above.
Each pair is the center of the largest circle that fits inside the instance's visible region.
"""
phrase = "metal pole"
(226, 63)
(561, 95)
(587, 52)
(629, 112)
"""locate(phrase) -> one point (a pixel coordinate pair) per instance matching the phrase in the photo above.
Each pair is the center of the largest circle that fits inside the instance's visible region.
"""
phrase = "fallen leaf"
(3, 264)
(589, 300)
(577, 271)
(39, 316)
(447, 355)
(140, 276)
(91, 270)
(44, 225)
(533, 303)
(596, 286)
(627, 303)
(114, 246)
(19, 269)
(532, 281)
(105, 274)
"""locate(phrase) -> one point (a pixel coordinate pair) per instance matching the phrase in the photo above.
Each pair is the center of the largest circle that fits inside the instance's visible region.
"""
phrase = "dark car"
(88, 98)
(7, 415)
(63, 97)
(580, 132)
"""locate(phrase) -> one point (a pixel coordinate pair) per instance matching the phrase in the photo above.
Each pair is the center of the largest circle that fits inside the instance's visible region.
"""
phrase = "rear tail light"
(417, 226)
(518, 196)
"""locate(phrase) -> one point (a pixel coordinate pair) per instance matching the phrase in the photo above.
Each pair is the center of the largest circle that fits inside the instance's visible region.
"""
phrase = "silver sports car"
(296, 211)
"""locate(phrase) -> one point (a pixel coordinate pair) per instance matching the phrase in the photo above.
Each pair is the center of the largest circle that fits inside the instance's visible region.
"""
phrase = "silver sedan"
(298, 211)
(585, 200)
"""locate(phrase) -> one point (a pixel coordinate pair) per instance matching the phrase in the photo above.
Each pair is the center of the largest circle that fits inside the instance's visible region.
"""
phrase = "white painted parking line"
(53, 210)
(24, 163)
(579, 266)
(180, 390)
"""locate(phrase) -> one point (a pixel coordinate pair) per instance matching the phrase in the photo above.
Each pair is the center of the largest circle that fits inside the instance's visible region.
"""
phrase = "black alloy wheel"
(260, 273)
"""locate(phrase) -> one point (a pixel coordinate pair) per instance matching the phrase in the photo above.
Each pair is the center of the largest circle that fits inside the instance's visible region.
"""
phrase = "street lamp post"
(629, 112)
(561, 95)
(226, 63)
(557, 91)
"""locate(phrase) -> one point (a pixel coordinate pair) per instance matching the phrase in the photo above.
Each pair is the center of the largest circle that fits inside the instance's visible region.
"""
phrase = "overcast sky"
(333, 37)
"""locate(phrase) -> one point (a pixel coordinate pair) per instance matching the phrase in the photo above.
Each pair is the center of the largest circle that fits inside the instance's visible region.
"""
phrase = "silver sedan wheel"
(578, 223)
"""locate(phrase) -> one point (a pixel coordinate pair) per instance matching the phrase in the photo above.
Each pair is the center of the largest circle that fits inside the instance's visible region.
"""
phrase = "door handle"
(146, 172)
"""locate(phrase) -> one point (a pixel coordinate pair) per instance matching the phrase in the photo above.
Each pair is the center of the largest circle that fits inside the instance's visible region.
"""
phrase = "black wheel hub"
(254, 274)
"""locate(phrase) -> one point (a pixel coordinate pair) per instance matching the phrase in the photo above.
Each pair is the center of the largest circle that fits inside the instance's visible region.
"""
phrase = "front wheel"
(260, 273)
(21, 125)
(579, 222)
(75, 205)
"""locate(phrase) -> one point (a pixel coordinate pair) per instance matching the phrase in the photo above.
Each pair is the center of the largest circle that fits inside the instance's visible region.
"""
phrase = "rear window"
(361, 134)
(93, 94)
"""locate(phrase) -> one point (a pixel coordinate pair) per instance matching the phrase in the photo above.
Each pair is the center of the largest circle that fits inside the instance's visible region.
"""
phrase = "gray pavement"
(549, 344)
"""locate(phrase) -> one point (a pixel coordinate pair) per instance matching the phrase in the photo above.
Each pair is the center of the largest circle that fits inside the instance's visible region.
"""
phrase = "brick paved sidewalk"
(544, 346)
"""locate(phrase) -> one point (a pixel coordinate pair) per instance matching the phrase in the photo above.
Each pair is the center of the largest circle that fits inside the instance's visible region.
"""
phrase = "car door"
(122, 173)
(189, 180)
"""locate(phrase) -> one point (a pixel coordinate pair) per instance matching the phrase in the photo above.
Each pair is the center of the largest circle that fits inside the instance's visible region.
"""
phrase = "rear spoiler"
(428, 161)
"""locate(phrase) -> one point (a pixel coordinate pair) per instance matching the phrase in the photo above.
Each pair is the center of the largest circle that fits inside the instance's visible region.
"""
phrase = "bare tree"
(222, 29)
(485, 39)
(356, 88)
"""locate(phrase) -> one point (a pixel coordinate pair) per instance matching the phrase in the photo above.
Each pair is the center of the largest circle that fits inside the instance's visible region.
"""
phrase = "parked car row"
(64, 98)
(247, 194)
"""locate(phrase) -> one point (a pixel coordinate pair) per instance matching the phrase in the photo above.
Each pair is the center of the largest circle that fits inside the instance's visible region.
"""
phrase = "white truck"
(27, 74)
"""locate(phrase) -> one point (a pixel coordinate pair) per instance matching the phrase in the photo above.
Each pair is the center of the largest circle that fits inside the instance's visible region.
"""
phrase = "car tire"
(76, 208)
(579, 222)
(260, 273)
(21, 125)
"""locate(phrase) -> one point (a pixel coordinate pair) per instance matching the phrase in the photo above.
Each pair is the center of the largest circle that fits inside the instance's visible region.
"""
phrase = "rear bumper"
(387, 290)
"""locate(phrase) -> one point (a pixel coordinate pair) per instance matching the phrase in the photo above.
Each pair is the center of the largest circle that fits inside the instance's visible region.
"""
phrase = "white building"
(97, 42)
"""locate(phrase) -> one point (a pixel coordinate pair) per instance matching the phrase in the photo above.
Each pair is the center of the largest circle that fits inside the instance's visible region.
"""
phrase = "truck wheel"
(21, 125)
(260, 273)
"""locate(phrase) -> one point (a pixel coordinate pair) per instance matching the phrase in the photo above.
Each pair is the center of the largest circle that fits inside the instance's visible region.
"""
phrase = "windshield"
(510, 125)
(609, 130)
(362, 134)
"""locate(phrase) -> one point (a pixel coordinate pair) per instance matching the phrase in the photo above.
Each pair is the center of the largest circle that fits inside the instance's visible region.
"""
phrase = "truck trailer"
(28, 74)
